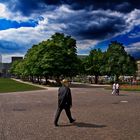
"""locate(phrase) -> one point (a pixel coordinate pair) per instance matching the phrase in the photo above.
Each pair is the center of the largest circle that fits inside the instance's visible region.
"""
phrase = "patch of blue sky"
(7, 24)
(11, 47)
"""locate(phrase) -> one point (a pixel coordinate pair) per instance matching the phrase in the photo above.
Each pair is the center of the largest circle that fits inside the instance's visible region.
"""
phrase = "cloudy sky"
(93, 23)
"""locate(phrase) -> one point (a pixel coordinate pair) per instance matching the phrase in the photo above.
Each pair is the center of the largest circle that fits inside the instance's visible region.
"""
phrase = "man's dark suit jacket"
(64, 97)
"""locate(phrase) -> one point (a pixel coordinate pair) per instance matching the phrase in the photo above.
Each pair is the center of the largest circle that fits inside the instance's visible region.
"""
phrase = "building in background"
(138, 71)
(0, 65)
(5, 67)
(0, 58)
(0, 69)
(16, 58)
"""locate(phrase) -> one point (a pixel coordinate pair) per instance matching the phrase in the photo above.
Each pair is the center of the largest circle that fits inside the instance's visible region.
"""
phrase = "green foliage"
(118, 62)
(94, 63)
(53, 57)
(13, 67)
(17, 68)
(32, 61)
(59, 56)
(81, 66)
(114, 62)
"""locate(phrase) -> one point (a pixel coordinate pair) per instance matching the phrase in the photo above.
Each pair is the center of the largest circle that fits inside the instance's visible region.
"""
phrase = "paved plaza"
(99, 115)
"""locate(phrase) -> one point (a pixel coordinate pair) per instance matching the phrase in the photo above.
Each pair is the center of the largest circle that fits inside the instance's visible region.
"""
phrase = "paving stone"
(99, 115)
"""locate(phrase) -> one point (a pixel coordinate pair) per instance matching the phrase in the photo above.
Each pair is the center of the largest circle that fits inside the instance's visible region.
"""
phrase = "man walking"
(114, 88)
(117, 88)
(64, 102)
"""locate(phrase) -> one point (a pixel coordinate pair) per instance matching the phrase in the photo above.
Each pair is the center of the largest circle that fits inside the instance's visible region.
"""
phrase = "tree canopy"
(55, 57)
(114, 62)
(118, 62)
(94, 63)
(60, 56)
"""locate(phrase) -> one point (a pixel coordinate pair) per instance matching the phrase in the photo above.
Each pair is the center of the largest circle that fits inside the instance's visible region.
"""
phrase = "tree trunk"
(58, 80)
(96, 79)
(117, 78)
(38, 80)
(46, 80)
(32, 79)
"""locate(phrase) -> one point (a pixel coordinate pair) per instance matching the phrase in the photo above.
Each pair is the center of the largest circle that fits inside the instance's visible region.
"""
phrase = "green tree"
(55, 57)
(81, 66)
(17, 68)
(94, 63)
(13, 67)
(32, 62)
(118, 62)
(60, 58)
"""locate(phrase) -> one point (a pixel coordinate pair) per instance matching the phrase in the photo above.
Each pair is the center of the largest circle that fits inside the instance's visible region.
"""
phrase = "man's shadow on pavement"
(86, 125)
(89, 125)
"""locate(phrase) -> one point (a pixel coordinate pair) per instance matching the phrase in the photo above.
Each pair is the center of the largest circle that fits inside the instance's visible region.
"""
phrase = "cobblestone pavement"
(99, 116)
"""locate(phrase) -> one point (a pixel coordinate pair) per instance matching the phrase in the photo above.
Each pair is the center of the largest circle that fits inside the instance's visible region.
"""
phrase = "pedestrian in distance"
(114, 89)
(64, 102)
(117, 88)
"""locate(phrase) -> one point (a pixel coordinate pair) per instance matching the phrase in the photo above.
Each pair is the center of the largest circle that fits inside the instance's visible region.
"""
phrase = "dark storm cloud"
(118, 5)
(93, 22)
(26, 7)
(95, 25)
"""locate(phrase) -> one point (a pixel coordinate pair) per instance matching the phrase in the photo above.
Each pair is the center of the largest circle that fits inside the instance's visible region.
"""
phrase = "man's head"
(65, 82)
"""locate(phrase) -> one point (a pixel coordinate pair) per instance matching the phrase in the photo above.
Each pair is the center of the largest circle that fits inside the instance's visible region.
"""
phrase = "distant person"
(64, 102)
(117, 89)
(114, 89)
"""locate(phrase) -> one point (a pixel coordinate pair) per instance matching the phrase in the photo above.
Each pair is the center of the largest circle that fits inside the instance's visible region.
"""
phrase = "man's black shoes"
(72, 121)
(55, 124)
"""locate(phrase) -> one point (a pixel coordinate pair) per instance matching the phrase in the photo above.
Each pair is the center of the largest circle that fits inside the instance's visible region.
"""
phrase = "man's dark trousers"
(59, 110)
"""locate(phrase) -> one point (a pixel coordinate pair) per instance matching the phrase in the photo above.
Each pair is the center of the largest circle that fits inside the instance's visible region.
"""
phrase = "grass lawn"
(9, 85)
(130, 87)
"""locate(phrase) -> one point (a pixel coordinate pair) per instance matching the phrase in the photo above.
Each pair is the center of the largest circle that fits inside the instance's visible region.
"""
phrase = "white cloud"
(4, 13)
(7, 14)
(23, 36)
(134, 47)
(84, 44)
(133, 17)
(27, 36)
(134, 35)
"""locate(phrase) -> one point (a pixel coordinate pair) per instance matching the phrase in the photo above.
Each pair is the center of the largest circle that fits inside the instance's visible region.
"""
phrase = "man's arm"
(69, 97)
